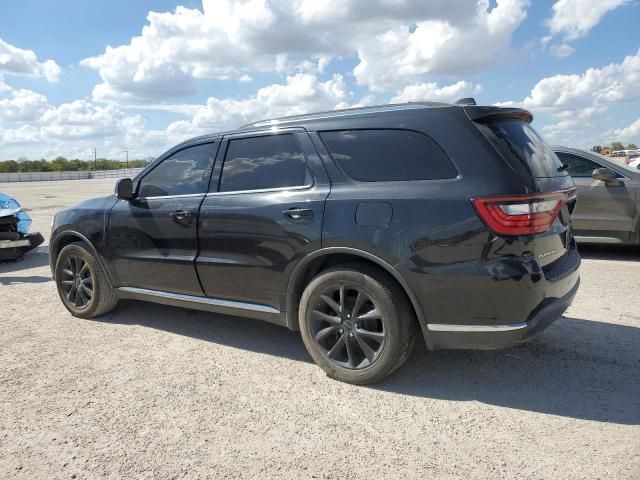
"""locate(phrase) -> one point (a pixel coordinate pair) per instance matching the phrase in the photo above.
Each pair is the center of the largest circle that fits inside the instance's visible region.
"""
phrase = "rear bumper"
(493, 303)
(500, 336)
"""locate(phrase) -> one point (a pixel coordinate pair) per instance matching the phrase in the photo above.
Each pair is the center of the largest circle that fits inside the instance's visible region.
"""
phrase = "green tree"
(617, 146)
(632, 146)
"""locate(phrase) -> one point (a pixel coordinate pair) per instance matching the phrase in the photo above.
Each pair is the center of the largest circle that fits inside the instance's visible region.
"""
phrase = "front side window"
(388, 155)
(578, 166)
(268, 162)
(183, 173)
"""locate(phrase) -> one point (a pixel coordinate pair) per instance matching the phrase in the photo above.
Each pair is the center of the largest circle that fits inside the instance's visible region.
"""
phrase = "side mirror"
(605, 175)
(124, 188)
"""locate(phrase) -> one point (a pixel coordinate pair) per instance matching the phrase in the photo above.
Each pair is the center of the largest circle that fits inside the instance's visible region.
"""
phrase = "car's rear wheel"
(356, 323)
(82, 284)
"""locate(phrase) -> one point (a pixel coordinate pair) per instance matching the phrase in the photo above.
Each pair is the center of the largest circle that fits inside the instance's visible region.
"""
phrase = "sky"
(119, 75)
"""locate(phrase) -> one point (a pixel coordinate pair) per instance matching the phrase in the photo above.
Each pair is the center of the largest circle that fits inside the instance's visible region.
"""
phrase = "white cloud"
(17, 61)
(30, 126)
(400, 55)
(22, 106)
(431, 92)
(574, 18)
(616, 82)
(578, 104)
(630, 133)
(397, 42)
(562, 51)
(302, 93)
(76, 127)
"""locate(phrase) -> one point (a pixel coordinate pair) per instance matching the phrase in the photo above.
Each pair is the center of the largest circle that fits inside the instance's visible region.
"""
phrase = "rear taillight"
(523, 214)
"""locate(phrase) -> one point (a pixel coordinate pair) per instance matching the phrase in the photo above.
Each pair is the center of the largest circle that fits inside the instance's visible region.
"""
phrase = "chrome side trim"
(585, 239)
(168, 197)
(446, 327)
(202, 300)
(261, 190)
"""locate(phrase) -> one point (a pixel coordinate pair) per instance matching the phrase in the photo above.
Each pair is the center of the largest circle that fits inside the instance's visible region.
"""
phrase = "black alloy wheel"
(347, 326)
(82, 283)
(357, 323)
(77, 281)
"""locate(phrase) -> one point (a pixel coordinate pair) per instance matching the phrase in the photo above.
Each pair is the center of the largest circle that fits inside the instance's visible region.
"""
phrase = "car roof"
(299, 120)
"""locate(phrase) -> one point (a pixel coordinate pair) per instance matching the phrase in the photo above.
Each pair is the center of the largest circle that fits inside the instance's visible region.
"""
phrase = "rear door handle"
(298, 213)
(183, 217)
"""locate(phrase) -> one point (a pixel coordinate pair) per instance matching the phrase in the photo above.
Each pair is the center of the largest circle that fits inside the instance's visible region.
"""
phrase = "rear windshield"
(523, 148)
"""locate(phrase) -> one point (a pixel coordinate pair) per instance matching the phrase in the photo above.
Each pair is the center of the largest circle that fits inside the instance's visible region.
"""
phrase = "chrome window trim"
(262, 190)
(218, 302)
(445, 327)
(186, 195)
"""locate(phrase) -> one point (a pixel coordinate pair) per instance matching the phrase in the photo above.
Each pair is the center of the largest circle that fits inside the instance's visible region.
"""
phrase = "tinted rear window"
(524, 149)
(388, 155)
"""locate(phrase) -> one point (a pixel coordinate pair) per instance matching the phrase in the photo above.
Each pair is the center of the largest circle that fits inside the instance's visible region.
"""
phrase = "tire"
(76, 261)
(382, 318)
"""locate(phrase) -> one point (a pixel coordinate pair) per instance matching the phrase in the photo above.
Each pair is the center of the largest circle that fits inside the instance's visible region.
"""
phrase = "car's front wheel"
(82, 284)
(356, 323)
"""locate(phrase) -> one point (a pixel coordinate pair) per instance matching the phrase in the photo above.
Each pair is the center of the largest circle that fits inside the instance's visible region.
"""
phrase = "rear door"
(262, 215)
(603, 209)
(152, 238)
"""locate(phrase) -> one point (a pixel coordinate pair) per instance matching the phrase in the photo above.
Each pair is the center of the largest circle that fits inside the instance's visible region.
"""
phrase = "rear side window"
(185, 172)
(259, 163)
(524, 149)
(388, 155)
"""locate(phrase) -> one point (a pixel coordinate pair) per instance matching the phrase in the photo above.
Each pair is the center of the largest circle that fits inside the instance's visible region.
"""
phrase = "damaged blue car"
(15, 239)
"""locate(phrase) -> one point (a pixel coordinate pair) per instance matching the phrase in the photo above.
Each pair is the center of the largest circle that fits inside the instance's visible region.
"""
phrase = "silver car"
(608, 206)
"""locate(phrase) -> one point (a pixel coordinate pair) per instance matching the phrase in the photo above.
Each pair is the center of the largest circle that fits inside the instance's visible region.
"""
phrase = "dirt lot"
(157, 392)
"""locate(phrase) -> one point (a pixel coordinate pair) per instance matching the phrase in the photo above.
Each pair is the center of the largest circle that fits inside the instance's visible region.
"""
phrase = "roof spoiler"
(486, 114)
(466, 101)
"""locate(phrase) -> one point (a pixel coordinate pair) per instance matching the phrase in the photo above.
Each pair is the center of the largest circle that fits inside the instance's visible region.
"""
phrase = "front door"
(152, 238)
(265, 215)
(602, 209)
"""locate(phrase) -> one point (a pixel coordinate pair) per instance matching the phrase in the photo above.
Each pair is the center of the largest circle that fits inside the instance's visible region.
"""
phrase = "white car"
(635, 163)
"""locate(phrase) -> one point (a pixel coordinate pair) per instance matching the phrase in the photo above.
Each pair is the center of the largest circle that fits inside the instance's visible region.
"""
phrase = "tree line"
(66, 165)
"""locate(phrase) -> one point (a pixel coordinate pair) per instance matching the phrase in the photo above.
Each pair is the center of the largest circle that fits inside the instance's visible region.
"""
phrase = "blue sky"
(201, 66)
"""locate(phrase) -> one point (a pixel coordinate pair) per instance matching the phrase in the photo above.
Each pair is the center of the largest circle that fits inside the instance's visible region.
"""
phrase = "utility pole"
(127, 153)
(95, 159)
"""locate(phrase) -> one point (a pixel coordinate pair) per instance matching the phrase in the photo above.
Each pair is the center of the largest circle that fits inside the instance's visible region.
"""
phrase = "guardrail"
(78, 175)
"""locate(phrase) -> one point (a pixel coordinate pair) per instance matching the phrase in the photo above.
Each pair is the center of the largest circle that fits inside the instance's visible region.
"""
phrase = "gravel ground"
(150, 391)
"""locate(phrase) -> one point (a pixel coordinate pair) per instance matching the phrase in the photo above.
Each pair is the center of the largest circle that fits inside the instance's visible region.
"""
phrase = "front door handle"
(298, 213)
(183, 217)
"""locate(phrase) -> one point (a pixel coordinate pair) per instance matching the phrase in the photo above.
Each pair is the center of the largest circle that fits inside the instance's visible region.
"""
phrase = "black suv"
(360, 228)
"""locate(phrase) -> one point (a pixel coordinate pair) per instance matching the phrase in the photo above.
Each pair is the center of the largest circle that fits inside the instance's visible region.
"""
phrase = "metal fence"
(79, 175)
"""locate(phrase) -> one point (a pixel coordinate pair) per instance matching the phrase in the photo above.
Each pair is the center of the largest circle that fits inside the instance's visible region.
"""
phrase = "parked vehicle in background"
(635, 163)
(360, 228)
(15, 239)
(608, 207)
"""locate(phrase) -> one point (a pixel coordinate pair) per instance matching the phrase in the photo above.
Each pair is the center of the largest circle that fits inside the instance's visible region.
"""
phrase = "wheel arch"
(68, 237)
(324, 258)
